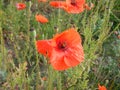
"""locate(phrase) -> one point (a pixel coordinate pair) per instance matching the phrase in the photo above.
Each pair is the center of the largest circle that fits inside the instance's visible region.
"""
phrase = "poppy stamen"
(62, 45)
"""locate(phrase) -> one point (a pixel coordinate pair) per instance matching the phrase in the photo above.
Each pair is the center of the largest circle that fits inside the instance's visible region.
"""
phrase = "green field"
(22, 67)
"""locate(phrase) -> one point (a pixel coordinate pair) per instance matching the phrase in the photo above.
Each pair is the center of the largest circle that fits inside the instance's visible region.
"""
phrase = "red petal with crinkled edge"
(57, 60)
(44, 47)
(63, 60)
(74, 9)
(74, 55)
(70, 36)
(75, 6)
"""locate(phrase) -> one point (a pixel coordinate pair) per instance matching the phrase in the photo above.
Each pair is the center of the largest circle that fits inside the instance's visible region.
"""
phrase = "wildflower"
(71, 6)
(101, 87)
(42, 0)
(41, 18)
(63, 50)
(20, 6)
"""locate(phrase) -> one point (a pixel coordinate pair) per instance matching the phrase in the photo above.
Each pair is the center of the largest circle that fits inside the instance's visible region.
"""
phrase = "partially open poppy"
(71, 6)
(63, 50)
(40, 18)
(20, 6)
(102, 87)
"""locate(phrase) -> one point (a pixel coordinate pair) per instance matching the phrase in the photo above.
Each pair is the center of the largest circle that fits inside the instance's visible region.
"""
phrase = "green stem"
(59, 20)
(59, 84)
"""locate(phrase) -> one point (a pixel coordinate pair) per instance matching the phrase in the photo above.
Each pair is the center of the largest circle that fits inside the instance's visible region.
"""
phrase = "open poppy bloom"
(101, 87)
(20, 6)
(71, 6)
(40, 18)
(63, 50)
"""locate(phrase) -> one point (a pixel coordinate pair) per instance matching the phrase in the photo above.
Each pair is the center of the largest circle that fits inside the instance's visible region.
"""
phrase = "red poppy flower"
(102, 87)
(71, 6)
(41, 18)
(20, 6)
(63, 50)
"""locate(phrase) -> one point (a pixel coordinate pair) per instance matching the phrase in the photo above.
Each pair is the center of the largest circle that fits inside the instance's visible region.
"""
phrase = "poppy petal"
(58, 4)
(75, 6)
(40, 18)
(74, 55)
(101, 87)
(73, 9)
(44, 47)
(70, 36)
(20, 6)
(80, 2)
(57, 60)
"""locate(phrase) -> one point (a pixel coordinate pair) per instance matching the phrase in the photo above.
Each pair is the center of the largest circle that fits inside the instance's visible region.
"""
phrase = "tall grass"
(22, 68)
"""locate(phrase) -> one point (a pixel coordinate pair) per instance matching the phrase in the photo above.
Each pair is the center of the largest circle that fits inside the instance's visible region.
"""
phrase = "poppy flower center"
(73, 2)
(62, 45)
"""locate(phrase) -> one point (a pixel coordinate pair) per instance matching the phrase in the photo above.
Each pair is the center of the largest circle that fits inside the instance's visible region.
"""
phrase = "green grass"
(22, 67)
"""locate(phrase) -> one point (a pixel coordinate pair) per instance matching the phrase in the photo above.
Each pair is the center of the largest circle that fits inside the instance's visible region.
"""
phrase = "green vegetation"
(22, 68)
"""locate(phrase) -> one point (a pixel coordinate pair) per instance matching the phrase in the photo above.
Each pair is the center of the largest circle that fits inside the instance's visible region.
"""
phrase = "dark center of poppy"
(62, 45)
(73, 2)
